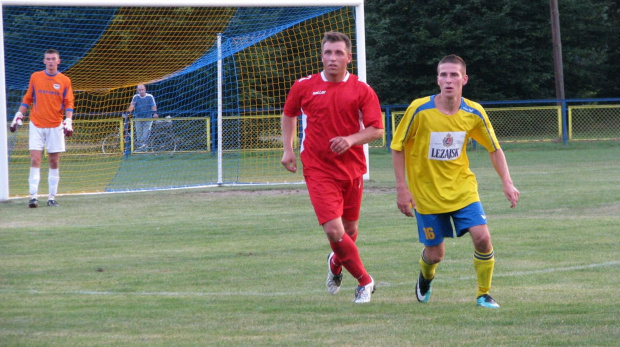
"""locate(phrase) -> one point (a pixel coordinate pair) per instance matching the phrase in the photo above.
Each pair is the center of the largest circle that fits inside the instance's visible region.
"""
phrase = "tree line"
(507, 45)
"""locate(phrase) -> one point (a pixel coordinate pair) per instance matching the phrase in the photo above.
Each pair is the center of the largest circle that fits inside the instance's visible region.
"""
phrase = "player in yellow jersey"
(51, 96)
(433, 179)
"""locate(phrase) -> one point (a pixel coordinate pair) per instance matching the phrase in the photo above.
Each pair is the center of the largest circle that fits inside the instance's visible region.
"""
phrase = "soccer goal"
(218, 70)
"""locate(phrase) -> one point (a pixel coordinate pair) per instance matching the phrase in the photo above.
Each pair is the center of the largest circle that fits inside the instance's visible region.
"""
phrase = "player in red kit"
(340, 114)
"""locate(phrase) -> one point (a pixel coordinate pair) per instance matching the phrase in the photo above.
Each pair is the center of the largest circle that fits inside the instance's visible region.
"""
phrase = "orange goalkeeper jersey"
(50, 96)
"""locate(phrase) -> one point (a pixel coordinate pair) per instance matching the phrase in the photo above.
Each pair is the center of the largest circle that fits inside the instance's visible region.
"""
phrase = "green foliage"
(506, 43)
(234, 266)
(590, 40)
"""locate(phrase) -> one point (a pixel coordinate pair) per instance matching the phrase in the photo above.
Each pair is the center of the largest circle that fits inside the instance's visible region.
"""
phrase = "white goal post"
(4, 156)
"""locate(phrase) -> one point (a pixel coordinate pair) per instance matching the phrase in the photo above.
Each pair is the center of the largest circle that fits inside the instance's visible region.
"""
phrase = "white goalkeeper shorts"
(53, 139)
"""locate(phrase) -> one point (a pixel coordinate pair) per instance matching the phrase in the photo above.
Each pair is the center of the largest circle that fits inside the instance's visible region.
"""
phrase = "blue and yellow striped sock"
(428, 270)
(484, 264)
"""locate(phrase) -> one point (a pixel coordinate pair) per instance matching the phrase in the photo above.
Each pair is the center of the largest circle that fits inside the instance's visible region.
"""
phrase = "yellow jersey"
(434, 145)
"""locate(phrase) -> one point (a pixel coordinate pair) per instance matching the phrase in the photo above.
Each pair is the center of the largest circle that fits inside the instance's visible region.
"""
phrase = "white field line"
(275, 294)
(527, 273)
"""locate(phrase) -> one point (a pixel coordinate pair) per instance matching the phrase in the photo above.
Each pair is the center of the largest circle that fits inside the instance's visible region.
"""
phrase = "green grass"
(231, 266)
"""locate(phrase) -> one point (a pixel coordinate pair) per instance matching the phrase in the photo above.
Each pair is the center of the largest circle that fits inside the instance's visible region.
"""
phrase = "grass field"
(231, 266)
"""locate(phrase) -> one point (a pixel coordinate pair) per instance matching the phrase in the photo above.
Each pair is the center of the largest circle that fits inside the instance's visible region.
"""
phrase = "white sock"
(52, 178)
(33, 181)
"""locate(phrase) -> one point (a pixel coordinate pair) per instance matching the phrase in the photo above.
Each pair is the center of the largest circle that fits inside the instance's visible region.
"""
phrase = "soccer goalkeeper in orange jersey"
(50, 99)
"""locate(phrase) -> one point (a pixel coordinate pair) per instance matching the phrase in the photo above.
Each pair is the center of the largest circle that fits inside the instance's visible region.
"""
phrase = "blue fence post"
(388, 128)
(564, 123)
(213, 123)
(127, 136)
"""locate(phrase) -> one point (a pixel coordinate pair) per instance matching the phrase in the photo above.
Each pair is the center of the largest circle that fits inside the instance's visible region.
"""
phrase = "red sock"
(348, 256)
(336, 265)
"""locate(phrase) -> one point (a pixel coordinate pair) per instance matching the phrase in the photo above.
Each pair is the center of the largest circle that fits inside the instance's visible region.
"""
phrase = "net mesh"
(107, 52)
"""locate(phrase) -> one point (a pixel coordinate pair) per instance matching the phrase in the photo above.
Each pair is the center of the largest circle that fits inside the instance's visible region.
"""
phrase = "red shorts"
(333, 198)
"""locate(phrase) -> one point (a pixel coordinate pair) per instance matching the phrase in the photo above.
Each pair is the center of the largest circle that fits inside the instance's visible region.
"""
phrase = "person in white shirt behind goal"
(143, 105)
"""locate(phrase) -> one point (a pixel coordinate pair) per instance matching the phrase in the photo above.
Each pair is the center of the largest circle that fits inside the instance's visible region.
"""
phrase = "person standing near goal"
(433, 176)
(143, 106)
(50, 93)
(340, 113)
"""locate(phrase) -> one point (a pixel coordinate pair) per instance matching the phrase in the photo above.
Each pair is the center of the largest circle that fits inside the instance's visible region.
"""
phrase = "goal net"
(219, 75)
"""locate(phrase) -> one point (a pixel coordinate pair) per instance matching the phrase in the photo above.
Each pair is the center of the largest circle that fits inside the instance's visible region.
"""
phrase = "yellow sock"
(428, 270)
(484, 264)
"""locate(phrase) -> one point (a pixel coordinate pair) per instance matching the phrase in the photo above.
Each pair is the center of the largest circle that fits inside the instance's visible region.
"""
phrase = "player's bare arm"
(404, 199)
(501, 167)
(289, 125)
(341, 144)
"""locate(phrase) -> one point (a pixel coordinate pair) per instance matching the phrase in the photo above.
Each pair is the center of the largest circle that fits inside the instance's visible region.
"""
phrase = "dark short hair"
(52, 51)
(452, 59)
(335, 36)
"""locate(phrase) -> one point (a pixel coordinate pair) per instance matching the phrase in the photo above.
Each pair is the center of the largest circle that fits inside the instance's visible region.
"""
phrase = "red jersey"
(50, 96)
(331, 109)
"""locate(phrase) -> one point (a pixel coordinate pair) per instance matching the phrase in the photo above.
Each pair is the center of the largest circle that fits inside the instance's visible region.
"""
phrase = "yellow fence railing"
(542, 123)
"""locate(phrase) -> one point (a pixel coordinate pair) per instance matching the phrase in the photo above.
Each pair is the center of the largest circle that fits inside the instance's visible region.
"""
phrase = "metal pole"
(183, 3)
(360, 36)
(4, 151)
(219, 109)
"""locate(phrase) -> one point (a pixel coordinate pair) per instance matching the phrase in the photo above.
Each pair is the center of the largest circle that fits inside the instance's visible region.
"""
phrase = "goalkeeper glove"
(68, 127)
(17, 121)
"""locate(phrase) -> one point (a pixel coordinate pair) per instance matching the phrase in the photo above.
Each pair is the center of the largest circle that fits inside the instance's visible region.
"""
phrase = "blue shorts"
(432, 228)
